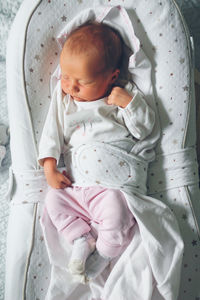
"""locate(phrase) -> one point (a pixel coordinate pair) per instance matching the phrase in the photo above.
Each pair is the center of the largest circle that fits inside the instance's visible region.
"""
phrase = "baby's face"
(81, 77)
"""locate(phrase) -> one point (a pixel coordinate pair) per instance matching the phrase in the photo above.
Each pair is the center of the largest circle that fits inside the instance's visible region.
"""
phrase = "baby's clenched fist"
(119, 97)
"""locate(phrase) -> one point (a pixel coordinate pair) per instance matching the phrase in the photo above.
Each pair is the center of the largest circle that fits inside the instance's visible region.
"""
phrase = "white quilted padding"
(33, 54)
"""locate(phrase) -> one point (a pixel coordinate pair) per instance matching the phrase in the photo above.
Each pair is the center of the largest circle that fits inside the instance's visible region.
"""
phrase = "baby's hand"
(58, 180)
(54, 178)
(119, 97)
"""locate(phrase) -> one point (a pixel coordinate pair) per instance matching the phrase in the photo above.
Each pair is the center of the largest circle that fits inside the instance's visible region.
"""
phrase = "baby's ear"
(115, 75)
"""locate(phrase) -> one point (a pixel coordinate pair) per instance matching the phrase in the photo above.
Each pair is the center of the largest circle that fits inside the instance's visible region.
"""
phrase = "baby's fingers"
(65, 180)
(63, 185)
(110, 100)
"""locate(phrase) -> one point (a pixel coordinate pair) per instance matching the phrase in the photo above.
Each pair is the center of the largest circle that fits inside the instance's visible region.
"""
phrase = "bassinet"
(173, 178)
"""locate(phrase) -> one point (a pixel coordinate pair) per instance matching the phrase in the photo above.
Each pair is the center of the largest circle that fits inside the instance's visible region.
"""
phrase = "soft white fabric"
(95, 265)
(161, 246)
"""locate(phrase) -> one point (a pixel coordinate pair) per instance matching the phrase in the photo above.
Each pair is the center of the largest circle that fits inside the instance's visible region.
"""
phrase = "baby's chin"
(81, 99)
(78, 99)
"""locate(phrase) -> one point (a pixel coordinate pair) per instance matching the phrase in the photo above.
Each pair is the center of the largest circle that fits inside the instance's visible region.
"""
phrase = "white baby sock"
(82, 248)
(95, 264)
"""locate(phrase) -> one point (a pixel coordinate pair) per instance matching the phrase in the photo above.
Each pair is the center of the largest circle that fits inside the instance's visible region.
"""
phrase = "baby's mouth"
(77, 98)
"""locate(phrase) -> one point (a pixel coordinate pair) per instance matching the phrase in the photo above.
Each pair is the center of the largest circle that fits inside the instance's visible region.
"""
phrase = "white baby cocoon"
(95, 137)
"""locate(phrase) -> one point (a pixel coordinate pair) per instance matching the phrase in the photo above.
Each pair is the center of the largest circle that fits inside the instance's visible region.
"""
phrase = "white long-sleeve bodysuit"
(71, 123)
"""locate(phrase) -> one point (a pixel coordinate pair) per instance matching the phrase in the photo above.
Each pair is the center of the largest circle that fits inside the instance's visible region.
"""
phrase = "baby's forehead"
(81, 51)
(96, 40)
(83, 43)
(90, 53)
(93, 62)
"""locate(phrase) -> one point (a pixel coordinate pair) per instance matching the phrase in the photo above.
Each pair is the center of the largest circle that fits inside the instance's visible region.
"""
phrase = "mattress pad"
(172, 178)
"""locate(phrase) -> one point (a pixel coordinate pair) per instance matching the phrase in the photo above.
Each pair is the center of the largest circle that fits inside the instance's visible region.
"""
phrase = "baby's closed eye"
(86, 82)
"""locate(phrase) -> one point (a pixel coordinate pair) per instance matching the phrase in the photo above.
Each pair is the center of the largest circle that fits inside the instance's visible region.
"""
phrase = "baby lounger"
(173, 178)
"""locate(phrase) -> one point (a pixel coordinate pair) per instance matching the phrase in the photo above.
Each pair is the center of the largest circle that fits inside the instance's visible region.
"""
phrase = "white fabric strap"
(116, 169)
(104, 164)
(167, 172)
(173, 170)
(28, 186)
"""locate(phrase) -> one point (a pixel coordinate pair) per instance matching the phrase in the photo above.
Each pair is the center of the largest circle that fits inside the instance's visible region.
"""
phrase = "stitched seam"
(192, 210)
(30, 252)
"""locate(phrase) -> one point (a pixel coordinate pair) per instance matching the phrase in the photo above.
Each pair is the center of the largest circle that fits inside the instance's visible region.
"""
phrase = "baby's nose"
(74, 87)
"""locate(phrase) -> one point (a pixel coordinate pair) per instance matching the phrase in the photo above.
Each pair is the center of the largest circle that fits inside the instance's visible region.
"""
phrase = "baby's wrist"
(126, 101)
(50, 165)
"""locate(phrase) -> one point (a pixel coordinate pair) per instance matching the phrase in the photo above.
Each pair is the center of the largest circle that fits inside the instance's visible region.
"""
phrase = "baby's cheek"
(64, 86)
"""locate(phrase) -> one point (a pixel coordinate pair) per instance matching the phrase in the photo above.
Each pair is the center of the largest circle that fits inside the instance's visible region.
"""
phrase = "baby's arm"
(137, 114)
(51, 143)
(54, 178)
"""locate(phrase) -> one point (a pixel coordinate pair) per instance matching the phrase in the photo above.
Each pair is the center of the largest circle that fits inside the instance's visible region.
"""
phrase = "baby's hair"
(100, 39)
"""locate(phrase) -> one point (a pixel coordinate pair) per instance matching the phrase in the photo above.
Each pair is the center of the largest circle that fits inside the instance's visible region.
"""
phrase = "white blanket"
(150, 266)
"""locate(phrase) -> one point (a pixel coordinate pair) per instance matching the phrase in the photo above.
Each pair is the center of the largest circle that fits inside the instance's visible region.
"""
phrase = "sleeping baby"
(91, 109)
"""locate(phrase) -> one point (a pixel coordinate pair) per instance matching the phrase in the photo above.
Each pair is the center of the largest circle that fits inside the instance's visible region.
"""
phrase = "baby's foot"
(95, 264)
(82, 248)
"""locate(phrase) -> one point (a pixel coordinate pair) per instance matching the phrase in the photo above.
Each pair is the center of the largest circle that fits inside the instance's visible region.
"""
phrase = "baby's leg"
(70, 217)
(67, 212)
(115, 231)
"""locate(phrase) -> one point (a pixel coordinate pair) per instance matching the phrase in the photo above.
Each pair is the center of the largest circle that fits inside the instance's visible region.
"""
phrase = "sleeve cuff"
(42, 157)
(136, 100)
